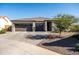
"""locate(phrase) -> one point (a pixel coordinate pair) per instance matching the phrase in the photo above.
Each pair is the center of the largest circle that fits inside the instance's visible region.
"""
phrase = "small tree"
(62, 22)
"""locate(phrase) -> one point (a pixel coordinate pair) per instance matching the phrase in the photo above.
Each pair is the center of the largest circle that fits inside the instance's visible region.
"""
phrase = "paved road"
(10, 46)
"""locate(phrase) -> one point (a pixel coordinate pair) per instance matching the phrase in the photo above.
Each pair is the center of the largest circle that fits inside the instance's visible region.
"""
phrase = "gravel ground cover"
(63, 46)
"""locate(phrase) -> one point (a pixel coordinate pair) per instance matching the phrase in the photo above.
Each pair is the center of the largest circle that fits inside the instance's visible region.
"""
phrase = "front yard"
(63, 45)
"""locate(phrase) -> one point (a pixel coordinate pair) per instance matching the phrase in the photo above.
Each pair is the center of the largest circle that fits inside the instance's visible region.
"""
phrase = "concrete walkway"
(14, 47)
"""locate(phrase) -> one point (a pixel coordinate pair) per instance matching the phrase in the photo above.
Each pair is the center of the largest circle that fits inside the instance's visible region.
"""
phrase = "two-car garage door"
(23, 27)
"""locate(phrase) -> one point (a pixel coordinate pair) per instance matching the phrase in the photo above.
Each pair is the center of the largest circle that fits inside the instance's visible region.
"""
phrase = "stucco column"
(13, 28)
(33, 27)
(52, 25)
(45, 25)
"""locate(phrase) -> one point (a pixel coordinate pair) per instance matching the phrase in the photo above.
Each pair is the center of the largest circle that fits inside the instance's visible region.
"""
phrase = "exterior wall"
(4, 22)
(8, 21)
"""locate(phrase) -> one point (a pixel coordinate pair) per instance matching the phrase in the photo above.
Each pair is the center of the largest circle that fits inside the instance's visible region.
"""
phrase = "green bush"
(74, 28)
(77, 47)
(2, 31)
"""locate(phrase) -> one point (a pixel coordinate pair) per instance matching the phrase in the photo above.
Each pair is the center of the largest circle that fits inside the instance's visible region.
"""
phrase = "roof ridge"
(32, 18)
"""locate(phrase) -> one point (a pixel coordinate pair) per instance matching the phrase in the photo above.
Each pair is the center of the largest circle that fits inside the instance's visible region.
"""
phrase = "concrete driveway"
(11, 46)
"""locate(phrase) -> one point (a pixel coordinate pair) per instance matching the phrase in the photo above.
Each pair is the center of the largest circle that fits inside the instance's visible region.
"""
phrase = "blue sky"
(29, 10)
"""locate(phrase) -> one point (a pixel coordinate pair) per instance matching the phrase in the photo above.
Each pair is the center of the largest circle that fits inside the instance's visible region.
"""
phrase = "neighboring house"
(5, 22)
(33, 24)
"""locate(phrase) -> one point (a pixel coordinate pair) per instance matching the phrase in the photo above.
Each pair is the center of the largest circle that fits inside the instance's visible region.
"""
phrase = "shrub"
(2, 31)
(77, 47)
(74, 28)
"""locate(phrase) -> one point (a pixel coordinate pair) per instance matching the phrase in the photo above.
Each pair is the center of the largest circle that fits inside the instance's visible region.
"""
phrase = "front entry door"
(49, 26)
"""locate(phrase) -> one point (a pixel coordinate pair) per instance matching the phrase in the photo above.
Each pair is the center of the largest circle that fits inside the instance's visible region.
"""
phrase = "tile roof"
(38, 19)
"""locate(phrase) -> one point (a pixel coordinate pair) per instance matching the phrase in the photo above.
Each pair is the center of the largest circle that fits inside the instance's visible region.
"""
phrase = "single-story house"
(32, 24)
(5, 22)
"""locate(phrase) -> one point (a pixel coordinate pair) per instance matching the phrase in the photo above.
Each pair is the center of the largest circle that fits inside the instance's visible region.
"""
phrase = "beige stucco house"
(32, 24)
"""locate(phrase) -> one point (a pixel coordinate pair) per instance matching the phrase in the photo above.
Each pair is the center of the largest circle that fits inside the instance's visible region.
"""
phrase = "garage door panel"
(20, 29)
